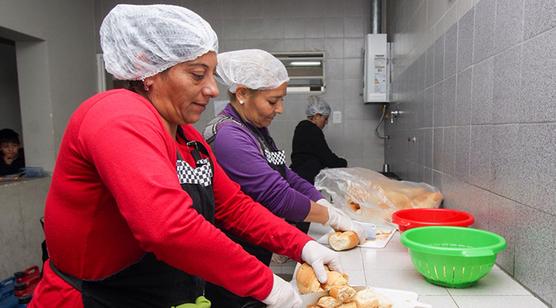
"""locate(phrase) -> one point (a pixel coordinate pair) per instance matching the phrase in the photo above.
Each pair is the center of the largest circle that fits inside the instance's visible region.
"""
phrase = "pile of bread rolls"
(339, 294)
(307, 281)
(397, 196)
(388, 197)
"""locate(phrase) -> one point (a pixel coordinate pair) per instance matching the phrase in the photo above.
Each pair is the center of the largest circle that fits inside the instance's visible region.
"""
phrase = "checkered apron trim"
(275, 157)
(201, 175)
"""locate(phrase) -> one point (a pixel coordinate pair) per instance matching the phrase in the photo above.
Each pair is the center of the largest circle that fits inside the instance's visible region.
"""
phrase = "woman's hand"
(317, 256)
(340, 221)
(282, 295)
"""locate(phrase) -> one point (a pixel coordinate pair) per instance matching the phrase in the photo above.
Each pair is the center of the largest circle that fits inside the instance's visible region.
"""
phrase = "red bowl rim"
(405, 223)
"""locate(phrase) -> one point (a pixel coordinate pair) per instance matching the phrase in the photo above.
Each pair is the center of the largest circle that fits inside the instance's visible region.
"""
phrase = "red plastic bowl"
(413, 218)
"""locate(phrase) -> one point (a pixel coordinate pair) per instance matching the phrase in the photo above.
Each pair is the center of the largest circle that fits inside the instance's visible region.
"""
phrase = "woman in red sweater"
(136, 192)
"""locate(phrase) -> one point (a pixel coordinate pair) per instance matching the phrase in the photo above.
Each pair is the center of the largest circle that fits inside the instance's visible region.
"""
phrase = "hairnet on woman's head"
(253, 68)
(317, 106)
(139, 41)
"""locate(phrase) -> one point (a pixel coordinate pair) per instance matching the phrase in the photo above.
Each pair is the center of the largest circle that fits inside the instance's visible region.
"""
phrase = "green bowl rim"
(484, 251)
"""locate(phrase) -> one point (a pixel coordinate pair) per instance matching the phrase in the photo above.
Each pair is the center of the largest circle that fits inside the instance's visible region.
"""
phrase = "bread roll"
(328, 302)
(399, 200)
(411, 191)
(383, 302)
(354, 206)
(367, 298)
(348, 305)
(343, 240)
(335, 279)
(428, 200)
(342, 293)
(306, 279)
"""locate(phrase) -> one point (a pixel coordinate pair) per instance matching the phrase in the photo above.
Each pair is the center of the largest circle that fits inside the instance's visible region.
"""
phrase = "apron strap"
(197, 147)
(72, 281)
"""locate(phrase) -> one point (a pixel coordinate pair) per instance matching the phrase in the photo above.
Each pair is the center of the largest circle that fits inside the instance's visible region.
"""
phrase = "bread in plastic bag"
(368, 196)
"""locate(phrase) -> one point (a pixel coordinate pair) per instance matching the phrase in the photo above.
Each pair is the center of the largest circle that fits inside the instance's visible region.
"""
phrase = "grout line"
(363, 263)
(479, 124)
(453, 299)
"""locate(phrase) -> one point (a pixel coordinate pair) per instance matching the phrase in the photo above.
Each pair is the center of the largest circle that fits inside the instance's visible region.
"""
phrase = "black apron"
(150, 282)
(276, 159)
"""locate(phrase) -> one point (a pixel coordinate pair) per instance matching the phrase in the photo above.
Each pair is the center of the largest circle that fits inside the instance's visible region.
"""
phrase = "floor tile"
(498, 301)
(283, 268)
(441, 301)
(394, 244)
(409, 280)
(356, 278)
(382, 260)
(351, 259)
(495, 283)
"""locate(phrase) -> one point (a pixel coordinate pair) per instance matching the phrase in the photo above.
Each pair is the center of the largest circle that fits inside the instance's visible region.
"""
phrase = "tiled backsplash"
(481, 101)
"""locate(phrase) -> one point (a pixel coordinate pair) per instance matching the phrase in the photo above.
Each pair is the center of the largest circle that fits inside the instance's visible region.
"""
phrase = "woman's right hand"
(340, 221)
(282, 295)
(318, 256)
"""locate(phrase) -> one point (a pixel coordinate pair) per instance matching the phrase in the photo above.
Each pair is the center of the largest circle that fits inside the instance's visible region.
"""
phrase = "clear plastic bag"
(368, 196)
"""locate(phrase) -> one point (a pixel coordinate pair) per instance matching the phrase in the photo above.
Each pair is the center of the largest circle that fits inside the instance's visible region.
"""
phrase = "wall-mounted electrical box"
(376, 83)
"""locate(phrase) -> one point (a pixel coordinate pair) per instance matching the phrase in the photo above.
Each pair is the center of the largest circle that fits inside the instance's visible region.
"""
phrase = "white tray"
(399, 298)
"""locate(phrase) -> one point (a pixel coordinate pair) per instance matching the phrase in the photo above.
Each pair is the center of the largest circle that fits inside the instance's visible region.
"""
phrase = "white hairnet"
(139, 41)
(317, 106)
(253, 68)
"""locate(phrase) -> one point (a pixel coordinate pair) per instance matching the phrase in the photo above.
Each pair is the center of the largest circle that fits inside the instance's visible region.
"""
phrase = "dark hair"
(9, 135)
(233, 97)
(138, 86)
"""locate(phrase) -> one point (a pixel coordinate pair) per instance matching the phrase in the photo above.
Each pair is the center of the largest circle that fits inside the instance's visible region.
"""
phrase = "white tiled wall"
(337, 27)
(476, 80)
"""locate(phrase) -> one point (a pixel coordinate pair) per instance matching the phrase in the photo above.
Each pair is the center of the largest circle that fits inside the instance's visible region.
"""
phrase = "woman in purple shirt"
(240, 139)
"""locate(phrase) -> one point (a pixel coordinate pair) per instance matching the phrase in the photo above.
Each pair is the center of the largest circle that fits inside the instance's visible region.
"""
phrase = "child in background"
(12, 161)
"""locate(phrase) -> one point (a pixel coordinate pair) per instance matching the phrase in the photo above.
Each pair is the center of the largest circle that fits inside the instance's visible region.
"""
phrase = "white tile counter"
(391, 267)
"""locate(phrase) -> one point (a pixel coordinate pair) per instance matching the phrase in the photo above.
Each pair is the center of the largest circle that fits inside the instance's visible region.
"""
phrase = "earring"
(146, 87)
(241, 102)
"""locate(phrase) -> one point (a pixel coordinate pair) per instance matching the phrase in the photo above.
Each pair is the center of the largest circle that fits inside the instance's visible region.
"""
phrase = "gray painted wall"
(56, 67)
(20, 230)
(10, 115)
(478, 84)
(56, 71)
(337, 27)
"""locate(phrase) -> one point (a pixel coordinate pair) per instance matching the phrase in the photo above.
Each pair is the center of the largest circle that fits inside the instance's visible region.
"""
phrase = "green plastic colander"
(454, 257)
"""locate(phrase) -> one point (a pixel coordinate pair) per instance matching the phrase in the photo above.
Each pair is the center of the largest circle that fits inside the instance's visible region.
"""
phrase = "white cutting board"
(383, 235)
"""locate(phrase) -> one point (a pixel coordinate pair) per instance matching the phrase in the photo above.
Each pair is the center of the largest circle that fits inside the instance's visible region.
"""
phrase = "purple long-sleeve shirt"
(237, 151)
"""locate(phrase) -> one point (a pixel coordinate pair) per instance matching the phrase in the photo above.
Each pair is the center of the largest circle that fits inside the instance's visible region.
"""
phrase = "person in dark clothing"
(13, 159)
(310, 152)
